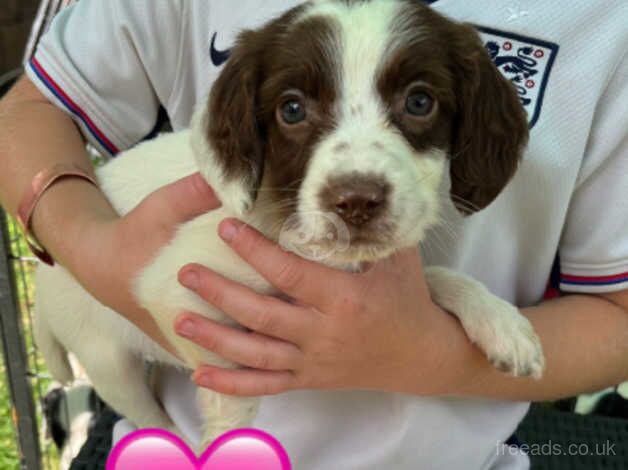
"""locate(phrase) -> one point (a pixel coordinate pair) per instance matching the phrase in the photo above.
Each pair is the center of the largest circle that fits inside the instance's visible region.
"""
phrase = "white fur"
(112, 350)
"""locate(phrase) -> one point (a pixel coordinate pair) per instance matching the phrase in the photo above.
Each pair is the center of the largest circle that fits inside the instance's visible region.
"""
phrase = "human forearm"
(35, 135)
(585, 339)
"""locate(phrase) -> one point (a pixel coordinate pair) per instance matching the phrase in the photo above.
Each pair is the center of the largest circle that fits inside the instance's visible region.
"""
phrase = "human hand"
(114, 250)
(374, 330)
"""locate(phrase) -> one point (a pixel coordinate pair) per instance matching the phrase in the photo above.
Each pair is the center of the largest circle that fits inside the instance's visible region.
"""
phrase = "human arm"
(36, 135)
(79, 87)
(74, 220)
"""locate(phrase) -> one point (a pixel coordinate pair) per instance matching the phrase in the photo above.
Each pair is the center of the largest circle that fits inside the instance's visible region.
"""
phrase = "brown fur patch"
(491, 128)
(479, 117)
(247, 136)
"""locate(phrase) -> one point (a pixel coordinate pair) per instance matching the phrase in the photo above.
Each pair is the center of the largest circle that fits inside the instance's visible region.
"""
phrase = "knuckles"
(263, 362)
(290, 275)
(212, 294)
(211, 342)
(265, 322)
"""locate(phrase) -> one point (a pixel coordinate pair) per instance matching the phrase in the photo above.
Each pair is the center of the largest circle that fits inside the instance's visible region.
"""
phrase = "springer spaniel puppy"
(340, 113)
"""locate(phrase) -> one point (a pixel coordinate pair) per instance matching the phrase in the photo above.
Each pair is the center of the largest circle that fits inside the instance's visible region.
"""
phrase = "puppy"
(313, 127)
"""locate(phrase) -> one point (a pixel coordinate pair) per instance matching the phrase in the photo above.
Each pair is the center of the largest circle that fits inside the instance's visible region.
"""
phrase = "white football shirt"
(111, 65)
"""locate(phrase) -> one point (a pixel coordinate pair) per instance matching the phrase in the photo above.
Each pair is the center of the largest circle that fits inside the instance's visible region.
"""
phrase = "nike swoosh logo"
(218, 57)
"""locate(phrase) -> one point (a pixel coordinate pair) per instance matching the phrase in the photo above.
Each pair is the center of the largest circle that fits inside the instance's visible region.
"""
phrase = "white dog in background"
(361, 130)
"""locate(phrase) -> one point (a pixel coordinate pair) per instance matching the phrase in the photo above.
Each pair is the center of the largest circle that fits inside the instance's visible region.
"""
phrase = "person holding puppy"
(365, 357)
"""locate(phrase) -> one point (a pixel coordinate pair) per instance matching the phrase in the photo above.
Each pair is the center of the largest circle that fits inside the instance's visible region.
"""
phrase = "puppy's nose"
(359, 200)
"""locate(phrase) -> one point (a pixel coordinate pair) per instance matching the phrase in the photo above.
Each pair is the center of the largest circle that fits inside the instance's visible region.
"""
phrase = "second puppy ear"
(491, 128)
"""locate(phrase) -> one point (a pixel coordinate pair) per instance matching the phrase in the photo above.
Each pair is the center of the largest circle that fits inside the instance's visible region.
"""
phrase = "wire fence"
(25, 377)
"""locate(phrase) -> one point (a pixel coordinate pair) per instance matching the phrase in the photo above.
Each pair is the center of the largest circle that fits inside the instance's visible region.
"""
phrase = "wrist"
(451, 360)
(66, 220)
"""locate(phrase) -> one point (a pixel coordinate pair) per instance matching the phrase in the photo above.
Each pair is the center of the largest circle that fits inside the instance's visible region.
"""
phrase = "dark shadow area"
(16, 18)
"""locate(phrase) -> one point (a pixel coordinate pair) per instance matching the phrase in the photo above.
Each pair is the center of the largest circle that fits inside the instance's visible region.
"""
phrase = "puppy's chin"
(329, 254)
(338, 246)
(364, 253)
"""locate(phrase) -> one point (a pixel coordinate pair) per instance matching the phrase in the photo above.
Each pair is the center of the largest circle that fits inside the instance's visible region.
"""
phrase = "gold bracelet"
(41, 182)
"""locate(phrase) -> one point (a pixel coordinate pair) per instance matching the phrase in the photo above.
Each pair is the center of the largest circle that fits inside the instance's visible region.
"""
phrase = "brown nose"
(357, 200)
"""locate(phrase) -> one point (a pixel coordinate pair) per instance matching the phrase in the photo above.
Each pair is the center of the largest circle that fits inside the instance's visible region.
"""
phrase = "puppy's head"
(346, 113)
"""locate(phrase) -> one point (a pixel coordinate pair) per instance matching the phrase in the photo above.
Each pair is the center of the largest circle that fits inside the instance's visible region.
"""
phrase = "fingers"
(247, 349)
(244, 382)
(263, 314)
(181, 201)
(301, 279)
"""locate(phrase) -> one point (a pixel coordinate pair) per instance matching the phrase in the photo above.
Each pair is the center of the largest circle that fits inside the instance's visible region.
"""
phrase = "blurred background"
(16, 19)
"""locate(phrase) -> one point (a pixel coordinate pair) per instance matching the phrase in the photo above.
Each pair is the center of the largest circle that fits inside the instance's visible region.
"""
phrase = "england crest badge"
(527, 62)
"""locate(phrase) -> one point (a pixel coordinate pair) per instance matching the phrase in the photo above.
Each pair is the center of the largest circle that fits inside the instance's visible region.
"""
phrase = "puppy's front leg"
(224, 413)
(494, 325)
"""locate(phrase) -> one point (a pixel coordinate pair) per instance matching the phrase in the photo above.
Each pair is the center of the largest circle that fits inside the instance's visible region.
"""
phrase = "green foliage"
(8, 449)
(24, 269)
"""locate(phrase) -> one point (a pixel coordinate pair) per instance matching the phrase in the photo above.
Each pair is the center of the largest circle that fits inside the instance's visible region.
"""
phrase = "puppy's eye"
(419, 104)
(293, 111)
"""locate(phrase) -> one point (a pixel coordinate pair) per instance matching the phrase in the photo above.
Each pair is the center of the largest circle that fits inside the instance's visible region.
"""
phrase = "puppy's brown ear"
(491, 129)
(233, 163)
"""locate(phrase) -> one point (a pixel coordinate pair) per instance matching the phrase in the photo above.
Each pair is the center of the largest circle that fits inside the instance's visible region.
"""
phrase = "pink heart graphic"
(156, 449)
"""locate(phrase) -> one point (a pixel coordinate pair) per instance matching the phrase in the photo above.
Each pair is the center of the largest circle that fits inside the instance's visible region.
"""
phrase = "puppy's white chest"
(196, 242)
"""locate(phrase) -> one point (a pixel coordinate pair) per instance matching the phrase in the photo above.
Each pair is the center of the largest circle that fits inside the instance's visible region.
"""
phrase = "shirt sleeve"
(594, 244)
(111, 65)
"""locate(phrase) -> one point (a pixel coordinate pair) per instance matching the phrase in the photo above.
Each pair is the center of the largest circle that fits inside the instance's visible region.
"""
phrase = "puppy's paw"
(509, 341)
(523, 357)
